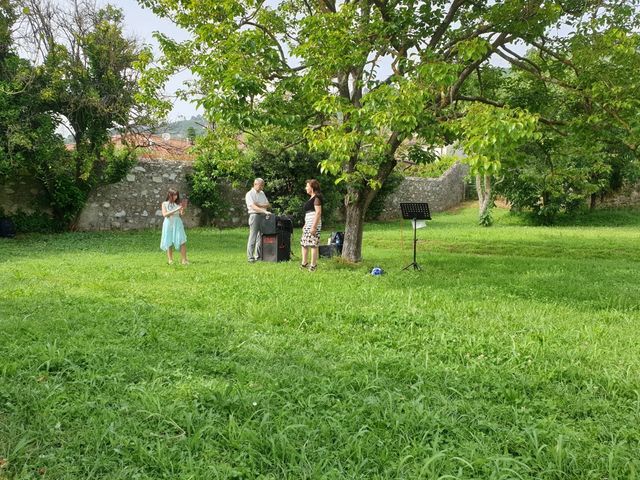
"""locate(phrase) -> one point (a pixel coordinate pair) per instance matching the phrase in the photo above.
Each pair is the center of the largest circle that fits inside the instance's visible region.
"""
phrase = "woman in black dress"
(310, 239)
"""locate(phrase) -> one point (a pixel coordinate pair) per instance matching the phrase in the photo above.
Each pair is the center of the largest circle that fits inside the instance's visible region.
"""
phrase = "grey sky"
(141, 23)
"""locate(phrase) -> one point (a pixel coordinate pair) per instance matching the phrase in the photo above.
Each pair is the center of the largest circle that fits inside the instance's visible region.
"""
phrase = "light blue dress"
(172, 229)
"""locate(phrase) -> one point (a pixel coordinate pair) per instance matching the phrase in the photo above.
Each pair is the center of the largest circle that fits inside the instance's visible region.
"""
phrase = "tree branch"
(555, 55)
(356, 95)
(373, 62)
(267, 32)
(488, 101)
(448, 48)
(522, 59)
(625, 125)
(329, 6)
(448, 19)
(383, 8)
(453, 92)
(253, 15)
(523, 66)
(309, 9)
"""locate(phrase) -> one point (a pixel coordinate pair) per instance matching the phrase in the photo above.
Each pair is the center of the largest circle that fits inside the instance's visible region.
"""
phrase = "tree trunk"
(354, 224)
(483, 186)
(592, 203)
(357, 201)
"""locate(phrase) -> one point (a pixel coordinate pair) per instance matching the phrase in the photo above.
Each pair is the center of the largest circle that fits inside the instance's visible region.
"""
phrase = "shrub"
(36, 222)
(225, 158)
(285, 173)
(220, 161)
(117, 162)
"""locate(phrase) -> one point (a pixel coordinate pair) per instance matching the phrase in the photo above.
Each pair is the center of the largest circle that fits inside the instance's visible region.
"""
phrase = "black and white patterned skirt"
(308, 240)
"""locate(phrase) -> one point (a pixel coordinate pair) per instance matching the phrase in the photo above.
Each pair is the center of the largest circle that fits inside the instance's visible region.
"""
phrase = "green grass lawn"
(514, 353)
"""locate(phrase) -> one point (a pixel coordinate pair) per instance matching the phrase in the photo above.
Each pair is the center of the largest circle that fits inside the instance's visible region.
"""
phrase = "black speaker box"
(284, 224)
(268, 224)
(276, 248)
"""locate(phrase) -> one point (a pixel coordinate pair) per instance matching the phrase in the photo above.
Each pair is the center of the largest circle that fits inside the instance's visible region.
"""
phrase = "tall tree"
(27, 130)
(583, 83)
(83, 73)
(355, 78)
(490, 136)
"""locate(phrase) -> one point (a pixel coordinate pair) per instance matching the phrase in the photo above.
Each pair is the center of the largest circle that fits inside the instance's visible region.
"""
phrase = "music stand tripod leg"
(414, 264)
(415, 211)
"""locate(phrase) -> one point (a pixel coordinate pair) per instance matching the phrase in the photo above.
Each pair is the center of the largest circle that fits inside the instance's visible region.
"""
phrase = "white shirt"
(252, 197)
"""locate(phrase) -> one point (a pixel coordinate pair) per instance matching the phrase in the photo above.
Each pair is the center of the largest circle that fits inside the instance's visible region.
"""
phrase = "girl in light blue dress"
(173, 235)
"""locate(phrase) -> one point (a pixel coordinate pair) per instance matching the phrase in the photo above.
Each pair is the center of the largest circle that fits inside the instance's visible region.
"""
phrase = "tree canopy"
(82, 74)
(579, 88)
(355, 79)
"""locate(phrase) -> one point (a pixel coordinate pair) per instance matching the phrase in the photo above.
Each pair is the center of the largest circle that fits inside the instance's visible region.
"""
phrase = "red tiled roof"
(154, 147)
(158, 148)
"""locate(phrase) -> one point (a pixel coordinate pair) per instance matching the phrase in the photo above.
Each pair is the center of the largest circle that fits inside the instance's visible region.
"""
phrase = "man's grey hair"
(258, 180)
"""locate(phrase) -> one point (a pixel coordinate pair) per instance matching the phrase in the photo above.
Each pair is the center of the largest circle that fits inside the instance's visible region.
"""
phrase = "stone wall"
(440, 193)
(629, 196)
(22, 195)
(134, 202)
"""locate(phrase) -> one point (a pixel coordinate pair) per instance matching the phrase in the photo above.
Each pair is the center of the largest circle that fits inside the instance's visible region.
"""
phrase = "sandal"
(303, 266)
(312, 268)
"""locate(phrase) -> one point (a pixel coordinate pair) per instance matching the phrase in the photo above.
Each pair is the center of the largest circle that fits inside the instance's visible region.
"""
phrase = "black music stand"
(415, 211)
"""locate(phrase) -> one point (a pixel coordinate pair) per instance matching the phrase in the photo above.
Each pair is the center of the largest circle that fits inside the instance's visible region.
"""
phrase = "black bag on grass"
(337, 239)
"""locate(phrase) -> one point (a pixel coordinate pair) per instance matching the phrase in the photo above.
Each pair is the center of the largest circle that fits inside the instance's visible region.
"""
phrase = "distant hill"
(179, 128)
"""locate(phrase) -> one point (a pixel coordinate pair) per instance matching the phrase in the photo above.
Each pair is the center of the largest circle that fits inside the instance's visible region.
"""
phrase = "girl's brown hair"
(314, 184)
(173, 191)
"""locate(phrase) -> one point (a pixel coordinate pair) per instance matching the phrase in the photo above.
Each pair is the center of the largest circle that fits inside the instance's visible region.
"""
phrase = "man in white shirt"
(257, 205)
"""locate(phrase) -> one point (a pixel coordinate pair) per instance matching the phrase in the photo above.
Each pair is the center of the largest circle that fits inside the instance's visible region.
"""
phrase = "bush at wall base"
(7, 228)
(33, 222)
